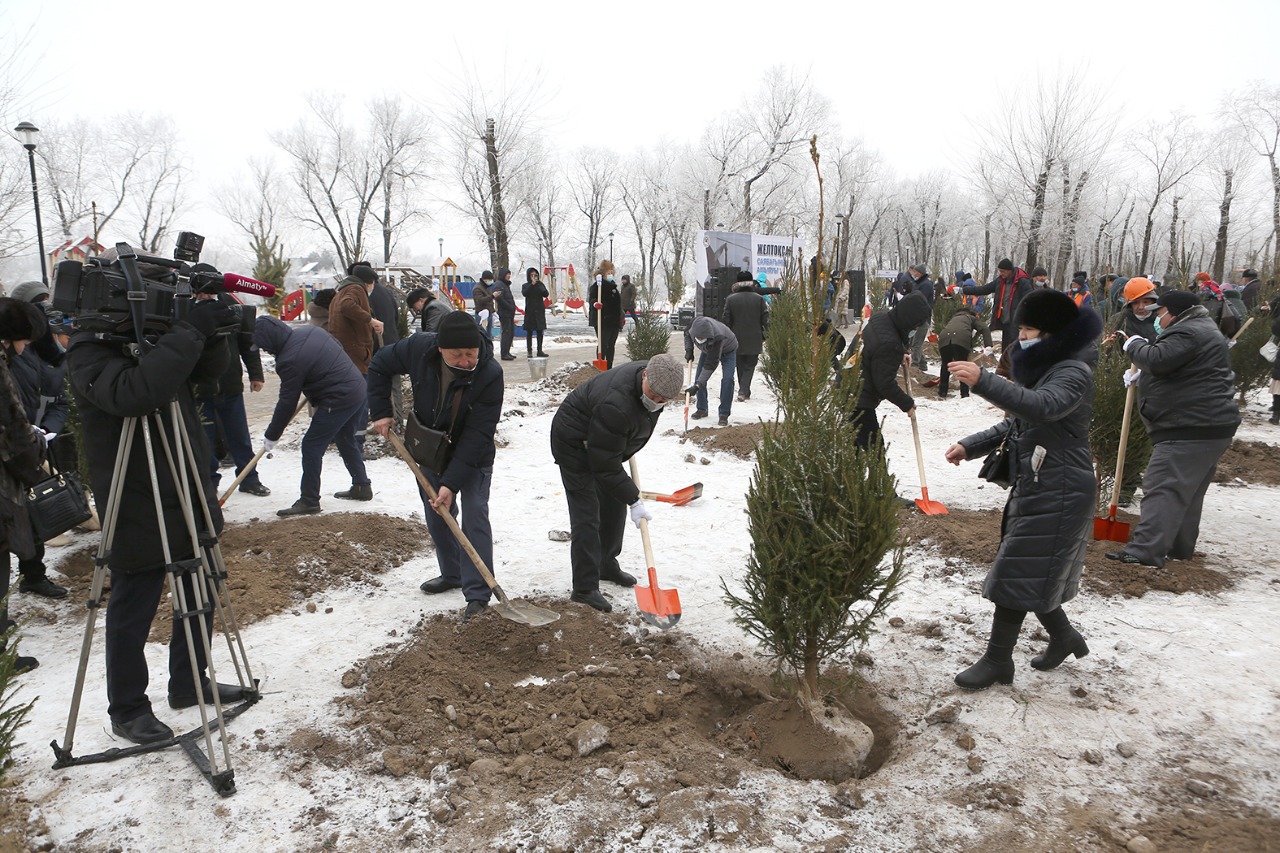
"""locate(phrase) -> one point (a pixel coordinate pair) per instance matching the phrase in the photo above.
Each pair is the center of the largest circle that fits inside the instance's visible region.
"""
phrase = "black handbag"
(431, 448)
(998, 466)
(57, 504)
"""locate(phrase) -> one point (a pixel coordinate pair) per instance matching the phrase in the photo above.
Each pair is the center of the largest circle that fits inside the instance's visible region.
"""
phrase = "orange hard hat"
(1136, 288)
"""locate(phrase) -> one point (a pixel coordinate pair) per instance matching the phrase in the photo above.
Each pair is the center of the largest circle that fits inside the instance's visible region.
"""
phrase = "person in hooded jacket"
(1223, 312)
(535, 295)
(457, 389)
(110, 385)
(429, 307)
(1049, 513)
(606, 309)
(308, 363)
(482, 299)
(22, 451)
(318, 310)
(505, 299)
(1189, 409)
(746, 314)
(718, 347)
(885, 343)
(1010, 286)
(628, 295)
(600, 425)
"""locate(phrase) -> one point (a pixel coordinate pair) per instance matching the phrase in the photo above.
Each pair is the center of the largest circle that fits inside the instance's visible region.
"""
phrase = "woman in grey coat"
(1047, 518)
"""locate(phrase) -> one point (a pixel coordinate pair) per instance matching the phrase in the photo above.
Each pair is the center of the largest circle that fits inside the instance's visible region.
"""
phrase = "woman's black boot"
(997, 663)
(1063, 640)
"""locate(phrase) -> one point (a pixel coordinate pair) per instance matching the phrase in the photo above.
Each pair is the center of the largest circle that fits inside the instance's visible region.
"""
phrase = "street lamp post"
(610, 246)
(440, 240)
(28, 132)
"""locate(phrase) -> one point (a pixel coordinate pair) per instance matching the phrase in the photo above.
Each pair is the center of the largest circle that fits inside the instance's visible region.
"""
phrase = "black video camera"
(133, 295)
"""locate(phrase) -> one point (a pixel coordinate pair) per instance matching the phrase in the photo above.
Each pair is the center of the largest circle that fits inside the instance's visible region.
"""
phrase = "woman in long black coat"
(1049, 513)
(535, 309)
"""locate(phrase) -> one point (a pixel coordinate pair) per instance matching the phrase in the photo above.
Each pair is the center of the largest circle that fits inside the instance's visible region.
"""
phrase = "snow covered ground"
(1188, 684)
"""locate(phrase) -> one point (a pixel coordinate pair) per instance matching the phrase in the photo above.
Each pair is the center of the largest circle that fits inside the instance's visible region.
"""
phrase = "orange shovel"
(659, 607)
(680, 497)
(927, 506)
(1108, 529)
(600, 362)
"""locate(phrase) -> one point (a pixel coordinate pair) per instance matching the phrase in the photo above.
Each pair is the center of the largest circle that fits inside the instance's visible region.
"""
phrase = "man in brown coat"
(351, 319)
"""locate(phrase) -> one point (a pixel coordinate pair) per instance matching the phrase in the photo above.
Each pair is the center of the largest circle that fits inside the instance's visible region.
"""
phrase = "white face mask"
(650, 404)
(1142, 313)
(1029, 343)
(699, 341)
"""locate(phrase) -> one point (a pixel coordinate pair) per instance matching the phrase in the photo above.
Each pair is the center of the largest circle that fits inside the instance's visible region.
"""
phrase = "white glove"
(1132, 340)
(988, 351)
(1131, 375)
(638, 512)
(268, 444)
(1231, 343)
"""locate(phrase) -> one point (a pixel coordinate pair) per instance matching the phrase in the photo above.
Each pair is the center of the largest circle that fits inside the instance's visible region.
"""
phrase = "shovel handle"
(915, 435)
(448, 517)
(253, 463)
(1247, 324)
(688, 380)
(644, 522)
(1124, 447)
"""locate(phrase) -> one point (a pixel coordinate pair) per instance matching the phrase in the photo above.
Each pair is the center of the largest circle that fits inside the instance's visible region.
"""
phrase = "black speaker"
(717, 290)
(857, 288)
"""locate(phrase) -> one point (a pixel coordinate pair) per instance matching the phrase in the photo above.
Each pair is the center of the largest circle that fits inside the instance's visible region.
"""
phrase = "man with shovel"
(457, 400)
(599, 426)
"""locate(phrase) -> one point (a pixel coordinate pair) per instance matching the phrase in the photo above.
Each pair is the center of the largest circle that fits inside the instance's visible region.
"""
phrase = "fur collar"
(1029, 365)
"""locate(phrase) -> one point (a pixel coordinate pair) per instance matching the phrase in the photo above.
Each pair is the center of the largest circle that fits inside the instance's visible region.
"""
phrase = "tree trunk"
(1224, 225)
(706, 210)
(746, 203)
(1173, 241)
(1275, 214)
(1146, 237)
(498, 253)
(810, 682)
(1037, 216)
(986, 248)
(1124, 235)
(1068, 243)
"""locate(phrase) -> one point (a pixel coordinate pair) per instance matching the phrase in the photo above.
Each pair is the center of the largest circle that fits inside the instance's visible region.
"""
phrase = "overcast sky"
(911, 77)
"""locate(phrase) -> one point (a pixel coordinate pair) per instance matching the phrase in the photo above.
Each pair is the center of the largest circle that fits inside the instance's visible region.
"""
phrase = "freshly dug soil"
(973, 537)
(741, 440)
(591, 710)
(1250, 462)
(275, 566)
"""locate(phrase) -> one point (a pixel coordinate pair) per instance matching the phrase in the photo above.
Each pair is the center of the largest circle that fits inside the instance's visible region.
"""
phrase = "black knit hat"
(1047, 310)
(21, 321)
(745, 275)
(1080, 275)
(1250, 273)
(458, 330)
(416, 294)
(1039, 271)
(1178, 301)
(365, 273)
(1005, 264)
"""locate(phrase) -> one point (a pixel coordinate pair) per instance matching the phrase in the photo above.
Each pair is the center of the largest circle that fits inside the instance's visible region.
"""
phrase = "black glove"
(692, 389)
(208, 316)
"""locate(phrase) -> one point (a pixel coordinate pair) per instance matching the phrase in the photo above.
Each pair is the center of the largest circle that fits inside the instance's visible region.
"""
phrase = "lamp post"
(28, 132)
(839, 234)
(440, 240)
(610, 247)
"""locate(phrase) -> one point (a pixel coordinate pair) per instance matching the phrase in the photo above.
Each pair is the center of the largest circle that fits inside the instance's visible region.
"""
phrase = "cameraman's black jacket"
(239, 348)
(110, 385)
(602, 424)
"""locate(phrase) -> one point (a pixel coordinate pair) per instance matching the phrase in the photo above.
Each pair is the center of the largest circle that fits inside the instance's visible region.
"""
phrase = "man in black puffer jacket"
(110, 385)
(457, 389)
(1189, 409)
(504, 299)
(312, 362)
(884, 349)
(599, 426)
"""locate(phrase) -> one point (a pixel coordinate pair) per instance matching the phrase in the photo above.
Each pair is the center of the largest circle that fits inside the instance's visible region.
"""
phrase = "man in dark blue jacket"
(457, 389)
(312, 362)
(505, 300)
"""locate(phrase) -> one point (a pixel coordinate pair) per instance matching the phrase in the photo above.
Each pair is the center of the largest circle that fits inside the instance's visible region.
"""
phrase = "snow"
(1189, 680)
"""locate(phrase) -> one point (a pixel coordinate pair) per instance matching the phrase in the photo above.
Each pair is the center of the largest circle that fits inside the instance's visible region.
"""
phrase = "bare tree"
(154, 188)
(1256, 112)
(1171, 151)
(548, 206)
(644, 188)
(254, 205)
(780, 120)
(592, 177)
(400, 137)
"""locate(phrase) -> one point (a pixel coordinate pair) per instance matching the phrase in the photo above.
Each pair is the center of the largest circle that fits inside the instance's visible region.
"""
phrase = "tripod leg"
(107, 538)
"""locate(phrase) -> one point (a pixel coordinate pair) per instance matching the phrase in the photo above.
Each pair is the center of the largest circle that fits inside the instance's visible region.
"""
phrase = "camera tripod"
(207, 574)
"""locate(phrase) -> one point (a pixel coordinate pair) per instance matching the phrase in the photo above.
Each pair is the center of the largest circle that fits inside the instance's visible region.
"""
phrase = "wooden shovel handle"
(447, 516)
(253, 463)
(1129, 394)
(915, 434)
(644, 523)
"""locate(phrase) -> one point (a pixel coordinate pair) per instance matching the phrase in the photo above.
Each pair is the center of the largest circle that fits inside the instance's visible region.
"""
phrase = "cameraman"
(110, 385)
(221, 400)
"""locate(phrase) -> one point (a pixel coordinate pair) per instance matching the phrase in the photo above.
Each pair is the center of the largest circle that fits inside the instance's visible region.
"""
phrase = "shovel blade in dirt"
(659, 607)
(524, 612)
(929, 507)
(600, 364)
(679, 497)
(1109, 530)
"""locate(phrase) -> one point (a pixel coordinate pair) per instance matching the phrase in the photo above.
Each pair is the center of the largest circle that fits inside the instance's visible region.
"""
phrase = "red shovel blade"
(929, 507)
(1109, 530)
(680, 497)
(659, 607)
(600, 364)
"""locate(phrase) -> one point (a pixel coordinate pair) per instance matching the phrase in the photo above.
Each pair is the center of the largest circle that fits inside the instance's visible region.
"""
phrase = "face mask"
(699, 341)
(1159, 328)
(1028, 344)
(651, 405)
(609, 278)
(1142, 313)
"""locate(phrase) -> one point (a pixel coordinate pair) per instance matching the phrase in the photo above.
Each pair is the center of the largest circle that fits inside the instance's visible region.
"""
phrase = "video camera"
(132, 294)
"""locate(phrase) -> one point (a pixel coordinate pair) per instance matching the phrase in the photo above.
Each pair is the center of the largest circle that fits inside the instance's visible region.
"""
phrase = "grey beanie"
(665, 376)
(29, 291)
(920, 268)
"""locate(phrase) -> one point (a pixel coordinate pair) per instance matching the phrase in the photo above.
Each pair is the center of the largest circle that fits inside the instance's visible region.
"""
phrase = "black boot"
(1063, 640)
(997, 663)
(357, 492)
(1275, 408)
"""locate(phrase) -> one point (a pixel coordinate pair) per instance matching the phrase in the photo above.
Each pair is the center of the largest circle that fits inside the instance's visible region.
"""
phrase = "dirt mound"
(590, 710)
(275, 566)
(973, 537)
(741, 440)
(1250, 462)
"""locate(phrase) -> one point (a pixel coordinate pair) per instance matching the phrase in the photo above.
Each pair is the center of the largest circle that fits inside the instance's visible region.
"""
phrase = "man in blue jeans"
(719, 346)
(457, 390)
(312, 362)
